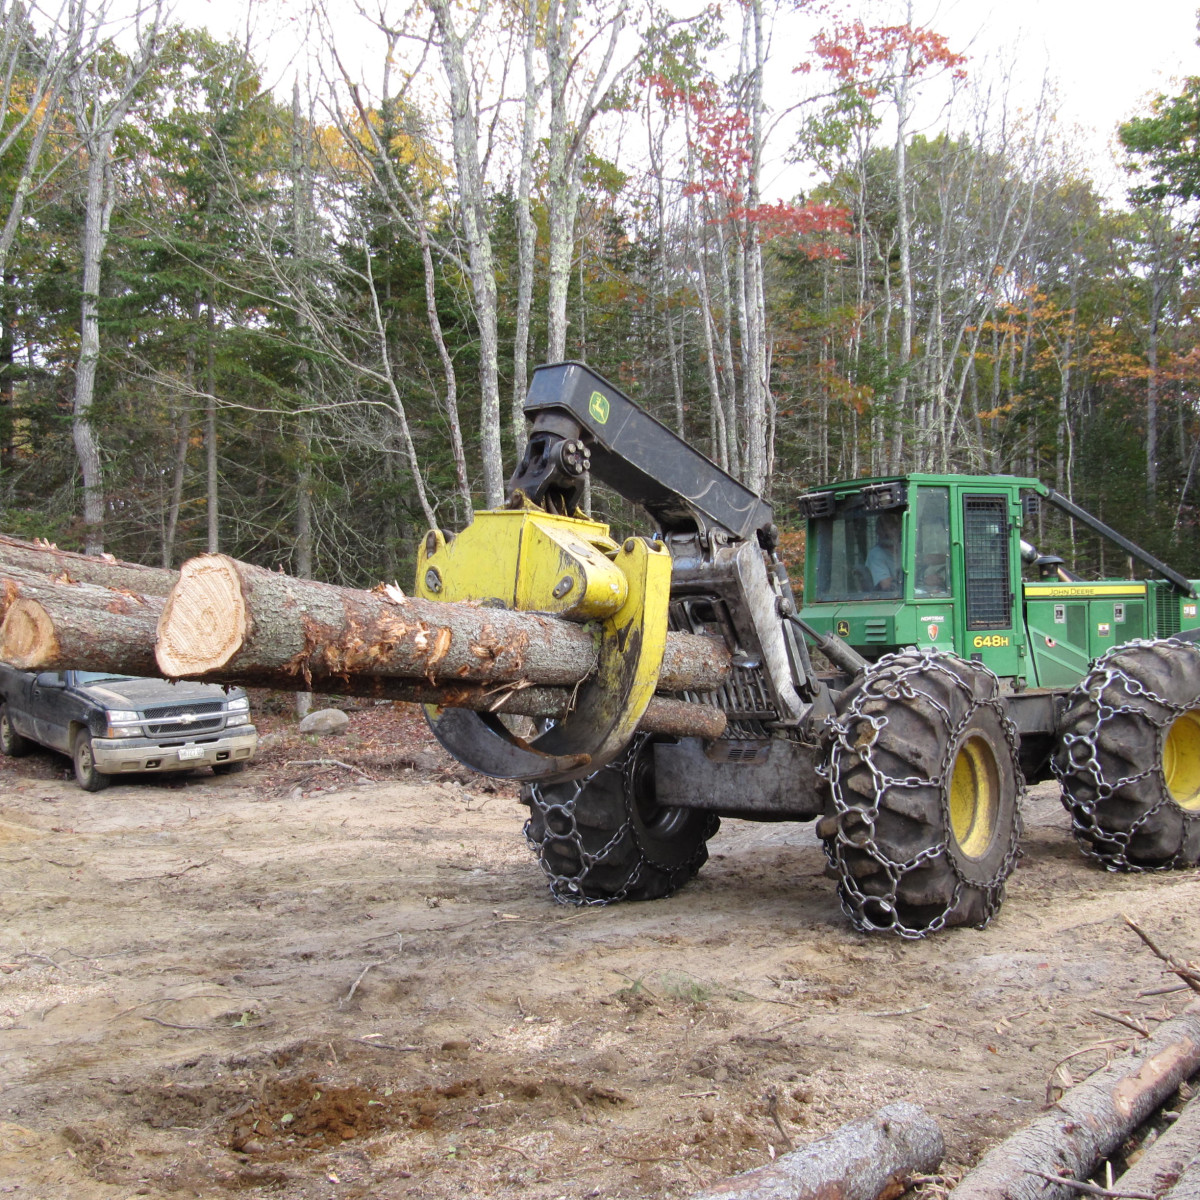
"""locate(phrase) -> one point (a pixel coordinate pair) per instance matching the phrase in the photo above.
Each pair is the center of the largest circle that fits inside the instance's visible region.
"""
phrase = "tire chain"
(568, 889)
(891, 678)
(1081, 751)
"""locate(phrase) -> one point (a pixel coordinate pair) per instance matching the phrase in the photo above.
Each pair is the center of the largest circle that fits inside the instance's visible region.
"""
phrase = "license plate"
(191, 752)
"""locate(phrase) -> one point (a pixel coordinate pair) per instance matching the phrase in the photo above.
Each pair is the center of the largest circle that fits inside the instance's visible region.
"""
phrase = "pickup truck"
(120, 725)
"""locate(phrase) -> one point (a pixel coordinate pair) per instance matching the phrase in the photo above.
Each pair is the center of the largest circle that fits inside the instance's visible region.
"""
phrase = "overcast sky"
(1104, 58)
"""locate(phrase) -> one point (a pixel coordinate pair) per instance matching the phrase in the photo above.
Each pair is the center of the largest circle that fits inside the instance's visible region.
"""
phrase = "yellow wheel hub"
(975, 796)
(1181, 760)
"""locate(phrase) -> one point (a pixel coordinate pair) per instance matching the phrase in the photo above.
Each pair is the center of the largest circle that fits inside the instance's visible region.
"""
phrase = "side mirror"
(50, 679)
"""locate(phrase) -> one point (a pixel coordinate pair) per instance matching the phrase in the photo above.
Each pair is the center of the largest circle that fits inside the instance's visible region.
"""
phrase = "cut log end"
(203, 622)
(27, 637)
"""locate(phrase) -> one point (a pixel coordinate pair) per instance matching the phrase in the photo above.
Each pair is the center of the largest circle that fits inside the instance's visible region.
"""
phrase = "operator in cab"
(883, 559)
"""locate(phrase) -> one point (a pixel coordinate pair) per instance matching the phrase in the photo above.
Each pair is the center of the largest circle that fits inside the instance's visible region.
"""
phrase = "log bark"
(1188, 1185)
(51, 625)
(1091, 1120)
(868, 1159)
(1163, 1163)
(54, 626)
(227, 616)
(84, 568)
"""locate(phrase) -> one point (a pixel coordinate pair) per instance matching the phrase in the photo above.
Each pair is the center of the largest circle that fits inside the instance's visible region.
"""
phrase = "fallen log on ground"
(1188, 1186)
(84, 568)
(227, 616)
(1091, 1120)
(50, 625)
(1165, 1160)
(863, 1160)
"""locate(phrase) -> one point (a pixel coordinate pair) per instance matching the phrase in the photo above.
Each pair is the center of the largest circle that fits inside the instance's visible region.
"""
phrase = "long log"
(1091, 1120)
(1163, 1163)
(227, 616)
(50, 625)
(866, 1159)
(1188, 1185)
(84, 568)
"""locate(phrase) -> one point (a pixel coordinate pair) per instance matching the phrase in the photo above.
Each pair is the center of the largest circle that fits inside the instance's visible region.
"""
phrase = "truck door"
(47, 695)
(987, 596)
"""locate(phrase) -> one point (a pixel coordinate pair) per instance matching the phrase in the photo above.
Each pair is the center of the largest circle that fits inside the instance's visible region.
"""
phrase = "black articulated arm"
(1071, 509)
(580, 421)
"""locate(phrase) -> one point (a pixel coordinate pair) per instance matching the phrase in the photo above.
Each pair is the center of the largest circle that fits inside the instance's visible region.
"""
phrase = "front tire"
(84, 759)
(606, 838)
(229, 768)
(924, 820)
(12, 744)
(1128, 757)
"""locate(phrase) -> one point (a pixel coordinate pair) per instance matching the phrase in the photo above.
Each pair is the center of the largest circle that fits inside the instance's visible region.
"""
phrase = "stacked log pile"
(224, 621)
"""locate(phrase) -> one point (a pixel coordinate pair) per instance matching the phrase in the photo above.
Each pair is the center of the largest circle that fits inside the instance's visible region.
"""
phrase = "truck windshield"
(86, 677)
(858, 554)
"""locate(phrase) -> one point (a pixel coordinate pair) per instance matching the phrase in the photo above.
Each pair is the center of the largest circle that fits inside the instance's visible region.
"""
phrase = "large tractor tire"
(1128, 757)
(605, 838)
(923, 821)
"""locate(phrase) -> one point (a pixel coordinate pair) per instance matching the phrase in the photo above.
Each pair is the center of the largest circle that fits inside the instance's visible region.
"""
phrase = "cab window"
(932, 573)
(857, 555)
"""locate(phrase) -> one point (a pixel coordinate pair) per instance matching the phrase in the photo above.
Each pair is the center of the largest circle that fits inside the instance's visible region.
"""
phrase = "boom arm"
(579, 418)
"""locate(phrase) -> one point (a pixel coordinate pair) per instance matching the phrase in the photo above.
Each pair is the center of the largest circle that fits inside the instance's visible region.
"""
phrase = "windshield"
(858, 554)
(86, 677)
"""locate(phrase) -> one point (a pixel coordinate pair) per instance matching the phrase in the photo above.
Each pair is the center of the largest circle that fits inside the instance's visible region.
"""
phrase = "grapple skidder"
(903, 708)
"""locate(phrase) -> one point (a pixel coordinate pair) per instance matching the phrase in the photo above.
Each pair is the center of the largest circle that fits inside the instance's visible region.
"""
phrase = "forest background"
(299, 329)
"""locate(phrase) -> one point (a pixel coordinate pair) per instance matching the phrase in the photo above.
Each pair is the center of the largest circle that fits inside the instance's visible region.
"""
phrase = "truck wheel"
(86, 774)
(1128, 757)
(923, 820)
(12, 744)
(229, 768)
(605, 838)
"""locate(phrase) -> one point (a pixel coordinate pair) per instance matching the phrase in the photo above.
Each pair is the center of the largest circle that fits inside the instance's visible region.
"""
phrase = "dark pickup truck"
(119, 725)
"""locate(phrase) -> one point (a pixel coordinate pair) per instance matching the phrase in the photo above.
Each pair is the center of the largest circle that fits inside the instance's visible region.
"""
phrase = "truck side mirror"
(50, 679)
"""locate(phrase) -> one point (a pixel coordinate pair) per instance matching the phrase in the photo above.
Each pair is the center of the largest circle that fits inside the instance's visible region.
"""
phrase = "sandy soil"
(310, 982)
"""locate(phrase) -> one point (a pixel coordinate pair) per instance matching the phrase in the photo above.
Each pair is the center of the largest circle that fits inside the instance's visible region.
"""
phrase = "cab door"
(987, 596)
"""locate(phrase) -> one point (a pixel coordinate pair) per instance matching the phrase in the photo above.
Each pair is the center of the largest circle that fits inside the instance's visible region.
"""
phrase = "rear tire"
(12, 744)
(925, 784)
(1128, 757)
(84, 759)
(606, 838)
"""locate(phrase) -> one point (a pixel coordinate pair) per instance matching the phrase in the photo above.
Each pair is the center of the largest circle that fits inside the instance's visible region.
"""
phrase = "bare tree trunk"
(567, 144)
(97, 215)
(450, 377)
(466, 124)
(526, 230)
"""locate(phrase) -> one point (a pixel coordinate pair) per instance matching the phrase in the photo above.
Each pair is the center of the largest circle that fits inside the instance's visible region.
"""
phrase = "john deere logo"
(598, 407)
(843, 629)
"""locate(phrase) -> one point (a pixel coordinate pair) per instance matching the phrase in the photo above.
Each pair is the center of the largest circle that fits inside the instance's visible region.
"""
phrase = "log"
(51, 626)
(1188, 1185)
(1164, 1161)
(84, 568)
(1091, 1120)
(868, 1159)
(227, 616)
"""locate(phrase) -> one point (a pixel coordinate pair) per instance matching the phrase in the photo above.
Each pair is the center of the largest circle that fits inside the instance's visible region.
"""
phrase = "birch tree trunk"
(466, 124)
(567, 146)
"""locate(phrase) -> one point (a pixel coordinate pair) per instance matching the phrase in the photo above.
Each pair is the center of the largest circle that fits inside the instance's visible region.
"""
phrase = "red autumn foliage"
(865, 56)
(720, 134)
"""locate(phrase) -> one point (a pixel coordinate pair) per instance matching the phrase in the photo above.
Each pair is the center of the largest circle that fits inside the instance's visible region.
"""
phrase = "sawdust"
(177, 961)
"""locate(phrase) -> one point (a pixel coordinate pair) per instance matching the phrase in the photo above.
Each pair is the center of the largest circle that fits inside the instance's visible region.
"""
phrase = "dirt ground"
(312, 981)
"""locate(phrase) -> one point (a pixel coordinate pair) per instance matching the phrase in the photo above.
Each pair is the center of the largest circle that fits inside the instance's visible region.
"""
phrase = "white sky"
(1104, 57)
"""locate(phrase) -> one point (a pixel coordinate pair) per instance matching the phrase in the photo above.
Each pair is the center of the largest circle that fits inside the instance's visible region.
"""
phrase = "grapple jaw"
(526, 558)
